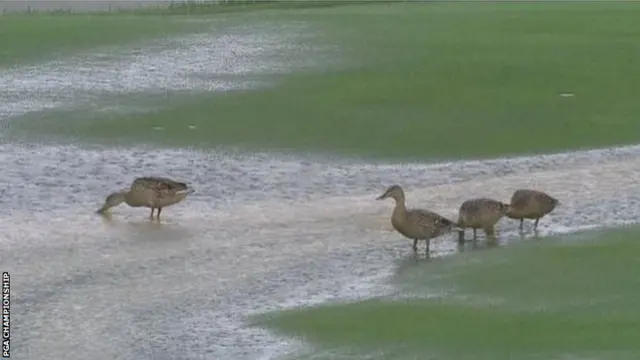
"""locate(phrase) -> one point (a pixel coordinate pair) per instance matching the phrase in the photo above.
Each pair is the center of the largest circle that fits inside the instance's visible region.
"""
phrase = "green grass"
(439, 80)
(539, 299)
(196, 8)
(430, 80)
(28, 38)
(230, 6)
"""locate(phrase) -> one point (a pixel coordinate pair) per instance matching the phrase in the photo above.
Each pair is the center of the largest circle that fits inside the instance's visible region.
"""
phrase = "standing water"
(262, 231)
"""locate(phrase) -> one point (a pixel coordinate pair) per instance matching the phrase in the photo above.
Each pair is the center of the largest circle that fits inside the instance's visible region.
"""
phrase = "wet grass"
(27, 38)
(34, 35)
(441, 80)
(425, 80)
(184, 7)
(538, 299)
(231, 6)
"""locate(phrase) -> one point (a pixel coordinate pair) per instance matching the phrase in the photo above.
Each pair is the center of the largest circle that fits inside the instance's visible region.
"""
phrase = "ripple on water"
(235, 58)
(263, 231)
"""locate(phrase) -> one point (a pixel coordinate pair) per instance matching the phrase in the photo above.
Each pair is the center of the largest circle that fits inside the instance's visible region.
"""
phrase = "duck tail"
(187, 191)
(454, 226)
(182, 188)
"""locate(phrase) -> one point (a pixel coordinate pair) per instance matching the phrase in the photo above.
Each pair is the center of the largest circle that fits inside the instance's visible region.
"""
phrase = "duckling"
(480, 213)
(530, 204)
(416, 224)
(151, 192)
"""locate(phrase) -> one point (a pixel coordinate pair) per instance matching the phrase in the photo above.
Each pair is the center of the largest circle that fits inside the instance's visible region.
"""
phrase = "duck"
(415, 224)
(480, 213)
(530, 204)
(151, 192)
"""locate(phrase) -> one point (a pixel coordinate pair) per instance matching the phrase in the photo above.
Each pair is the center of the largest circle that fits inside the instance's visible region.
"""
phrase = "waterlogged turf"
(573, 296)
(410, 80)
(29, 38)
(443, 80)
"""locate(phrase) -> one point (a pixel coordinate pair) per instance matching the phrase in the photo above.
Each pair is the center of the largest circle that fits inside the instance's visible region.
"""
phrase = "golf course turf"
(442, 80)
(411, 81)
(574, 295)
(29, 38)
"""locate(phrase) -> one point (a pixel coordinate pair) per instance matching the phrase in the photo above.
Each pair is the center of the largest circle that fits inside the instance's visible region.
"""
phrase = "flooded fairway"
(262, 231)
(224, 58)
(78, 6)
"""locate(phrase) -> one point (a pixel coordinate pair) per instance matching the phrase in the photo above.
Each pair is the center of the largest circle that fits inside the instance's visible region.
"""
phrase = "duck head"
(394, 191)
(112, 200)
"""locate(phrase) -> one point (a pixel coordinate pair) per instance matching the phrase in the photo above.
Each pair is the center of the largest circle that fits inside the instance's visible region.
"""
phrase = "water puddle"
(232, 58)
(261, 232)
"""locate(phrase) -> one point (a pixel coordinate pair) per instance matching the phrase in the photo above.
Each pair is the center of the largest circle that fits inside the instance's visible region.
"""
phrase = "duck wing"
(428, 219)
(478, 205)
(159, 183)
(521, 198)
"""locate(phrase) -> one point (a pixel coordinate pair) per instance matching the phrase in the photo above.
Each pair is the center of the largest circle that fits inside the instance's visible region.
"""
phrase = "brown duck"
(530, 204)
(151, 192)
(480, 213)
(416, 224)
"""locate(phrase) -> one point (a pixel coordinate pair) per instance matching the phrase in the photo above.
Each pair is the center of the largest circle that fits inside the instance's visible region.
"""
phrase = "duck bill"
(103, 209)
(381, 197)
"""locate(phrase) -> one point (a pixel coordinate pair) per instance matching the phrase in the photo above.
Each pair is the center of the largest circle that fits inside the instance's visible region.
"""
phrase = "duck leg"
(427, 249)
(489, 232)
(474, 234)
(461, 237)
(151, 216)
(158, 213)
(415, 245)
(535, 225)
(521, 224)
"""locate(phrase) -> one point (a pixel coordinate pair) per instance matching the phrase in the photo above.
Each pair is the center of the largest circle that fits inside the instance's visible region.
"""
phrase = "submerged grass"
(31, 38)
(538, 299)
(441, 80)
(229, 6)
(184, 7)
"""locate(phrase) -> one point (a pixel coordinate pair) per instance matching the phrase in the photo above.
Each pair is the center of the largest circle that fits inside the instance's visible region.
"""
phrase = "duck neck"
(400, 210)
(128, 198)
